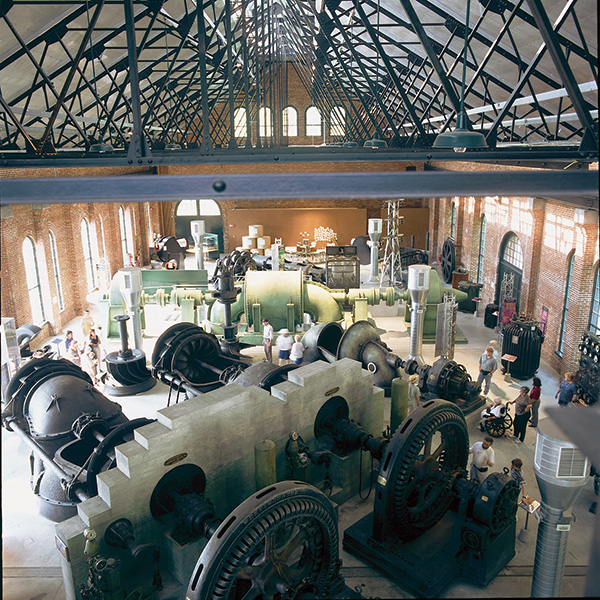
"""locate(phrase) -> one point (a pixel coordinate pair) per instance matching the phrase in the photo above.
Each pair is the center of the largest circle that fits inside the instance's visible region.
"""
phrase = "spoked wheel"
(425, 456)
(495, 427)
(448, 260)
(281, 543)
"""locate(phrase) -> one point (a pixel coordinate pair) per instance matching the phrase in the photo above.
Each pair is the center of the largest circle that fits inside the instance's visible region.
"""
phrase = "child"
(297, 351)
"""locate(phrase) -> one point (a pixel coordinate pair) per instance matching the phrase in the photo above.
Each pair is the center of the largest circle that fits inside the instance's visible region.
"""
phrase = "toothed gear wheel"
(280, 543)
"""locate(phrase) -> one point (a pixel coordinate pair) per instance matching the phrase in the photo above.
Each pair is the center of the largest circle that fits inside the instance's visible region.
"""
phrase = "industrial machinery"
(522, 338)
(362, 342)
(342, 267)
(127, 367)
(71, 428)
(410, 535)
(171, 251)
(588, 374)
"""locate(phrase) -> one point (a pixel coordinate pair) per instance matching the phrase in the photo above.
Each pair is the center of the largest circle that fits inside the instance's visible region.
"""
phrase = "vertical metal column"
(391, 257)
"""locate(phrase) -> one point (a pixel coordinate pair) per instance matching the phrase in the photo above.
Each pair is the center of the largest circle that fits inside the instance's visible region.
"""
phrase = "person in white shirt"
(284, 341)
(268, 340)
(483, 458)
(496, 410)
(414, 393)
(297, 351)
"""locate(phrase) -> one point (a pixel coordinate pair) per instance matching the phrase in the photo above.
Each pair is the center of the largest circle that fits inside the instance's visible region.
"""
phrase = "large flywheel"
(448, 262)
(281, 543)
(424, 457)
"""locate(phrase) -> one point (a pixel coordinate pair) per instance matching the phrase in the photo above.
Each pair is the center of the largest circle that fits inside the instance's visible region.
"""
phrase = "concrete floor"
(30, 561)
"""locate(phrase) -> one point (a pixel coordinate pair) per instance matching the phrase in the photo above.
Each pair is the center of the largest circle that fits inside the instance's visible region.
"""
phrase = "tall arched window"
(565, 312)
(313, 122)
(337, 118)
(264, 122)
(102, 240)
(453, 222)
(149, 224)
(126, 234)
(33, 282)
(61, 304)
(290, 122)
(481, 250)
(594, 324)
(239, 120)
(86, 242)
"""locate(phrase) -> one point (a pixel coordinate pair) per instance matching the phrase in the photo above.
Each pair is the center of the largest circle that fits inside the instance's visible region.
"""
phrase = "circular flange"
(427, 453)
(355, 337)
(282, 542)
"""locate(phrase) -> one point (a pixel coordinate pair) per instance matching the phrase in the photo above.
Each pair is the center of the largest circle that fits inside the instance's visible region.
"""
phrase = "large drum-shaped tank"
(523, 339)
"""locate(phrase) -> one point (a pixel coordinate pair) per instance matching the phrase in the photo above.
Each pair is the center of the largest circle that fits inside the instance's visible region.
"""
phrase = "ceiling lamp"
(376, 142)
(101, 147)
(173, 146)
(463, 137)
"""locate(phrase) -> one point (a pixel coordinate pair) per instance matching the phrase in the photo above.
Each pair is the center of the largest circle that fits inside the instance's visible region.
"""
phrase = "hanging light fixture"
(100, 146)
(463, 137)
(376, 141)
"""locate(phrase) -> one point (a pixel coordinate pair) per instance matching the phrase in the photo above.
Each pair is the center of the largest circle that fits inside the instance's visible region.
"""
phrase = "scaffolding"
(391, 269)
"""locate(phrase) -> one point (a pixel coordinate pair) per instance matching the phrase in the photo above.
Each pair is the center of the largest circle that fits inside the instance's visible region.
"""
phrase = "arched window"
(481, 250)
(313, 122)
(264, 122)
(513, 252)
(337, 118)
(61, 304)
(239, 120)
(86, 242)
(565, 312)
(149, 224)
(594, 324)
(198, 208)
(290, 122)
(33, 282)
(126, 234)
(102, 240)
(453, 222)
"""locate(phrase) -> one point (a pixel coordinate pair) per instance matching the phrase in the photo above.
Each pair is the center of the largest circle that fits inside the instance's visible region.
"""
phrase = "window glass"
(61, 304)
(187, 208)
(481, 250)
(239, 120)
(565, 312)
(290, 122)
(338, 121)
(33, 282)
(264, 120)
(513, 253)
(594, 325)
(87, 254)
(313, 121)
(123, 229)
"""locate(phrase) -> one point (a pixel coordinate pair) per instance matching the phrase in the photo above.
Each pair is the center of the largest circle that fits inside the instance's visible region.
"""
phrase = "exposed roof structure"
(147, 75)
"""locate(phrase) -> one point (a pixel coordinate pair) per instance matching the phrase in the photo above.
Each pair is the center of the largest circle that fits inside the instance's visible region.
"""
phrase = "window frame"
(32, 276)
(481, 253)
(595, 305)
(285, 120)
(308, 124)
(566, 303)
(88, 256)
(54, 255)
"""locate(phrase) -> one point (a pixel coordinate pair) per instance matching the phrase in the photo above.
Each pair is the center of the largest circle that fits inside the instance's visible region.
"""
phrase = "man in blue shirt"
(567, 392)
(487, 367)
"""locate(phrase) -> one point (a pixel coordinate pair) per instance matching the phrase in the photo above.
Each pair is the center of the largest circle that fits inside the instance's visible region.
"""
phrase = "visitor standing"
(268, 340)
(297, 351)
(68, 340)
(483, 459)
(487, 367)
(284, 342)
(522, 411)
(516, 473)
(74, 353)
(567, 391)
(87, 322)
(536, 390)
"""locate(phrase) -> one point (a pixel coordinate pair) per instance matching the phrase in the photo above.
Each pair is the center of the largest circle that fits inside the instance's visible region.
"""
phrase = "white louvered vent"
(571, 463)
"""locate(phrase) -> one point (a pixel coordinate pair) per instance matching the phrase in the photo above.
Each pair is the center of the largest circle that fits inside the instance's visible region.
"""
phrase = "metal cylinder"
(418, 286)
(198, 231)
(131, 289)
(561, 470)
(375, 234)
(550, 554)
(399, 410)
(265, 472)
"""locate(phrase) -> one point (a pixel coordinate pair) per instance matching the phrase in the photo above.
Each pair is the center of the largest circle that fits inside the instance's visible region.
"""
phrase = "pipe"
(320, 304)
(550, 554)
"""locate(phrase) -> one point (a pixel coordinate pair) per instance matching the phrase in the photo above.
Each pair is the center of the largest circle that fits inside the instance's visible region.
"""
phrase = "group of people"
(89, 355)
(291, 349)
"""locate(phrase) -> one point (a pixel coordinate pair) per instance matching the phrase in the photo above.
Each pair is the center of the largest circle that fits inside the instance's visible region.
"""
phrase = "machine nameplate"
(62, 548)
(564, 527)
(484, 498)
(381, 480)
(175, 459)
(332, 391)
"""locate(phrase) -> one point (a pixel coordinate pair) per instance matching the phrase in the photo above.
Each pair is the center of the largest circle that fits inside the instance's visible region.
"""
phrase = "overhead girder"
(389, 65)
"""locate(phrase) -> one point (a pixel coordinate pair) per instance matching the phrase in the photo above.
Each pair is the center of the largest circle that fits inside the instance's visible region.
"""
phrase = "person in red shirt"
(534, 395)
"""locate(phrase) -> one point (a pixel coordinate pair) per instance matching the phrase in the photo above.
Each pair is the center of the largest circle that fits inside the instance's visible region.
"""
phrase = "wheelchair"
(497, 426)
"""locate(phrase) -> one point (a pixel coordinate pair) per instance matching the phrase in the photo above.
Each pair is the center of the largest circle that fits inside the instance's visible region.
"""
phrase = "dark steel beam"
(561, 64)
(575, 187)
